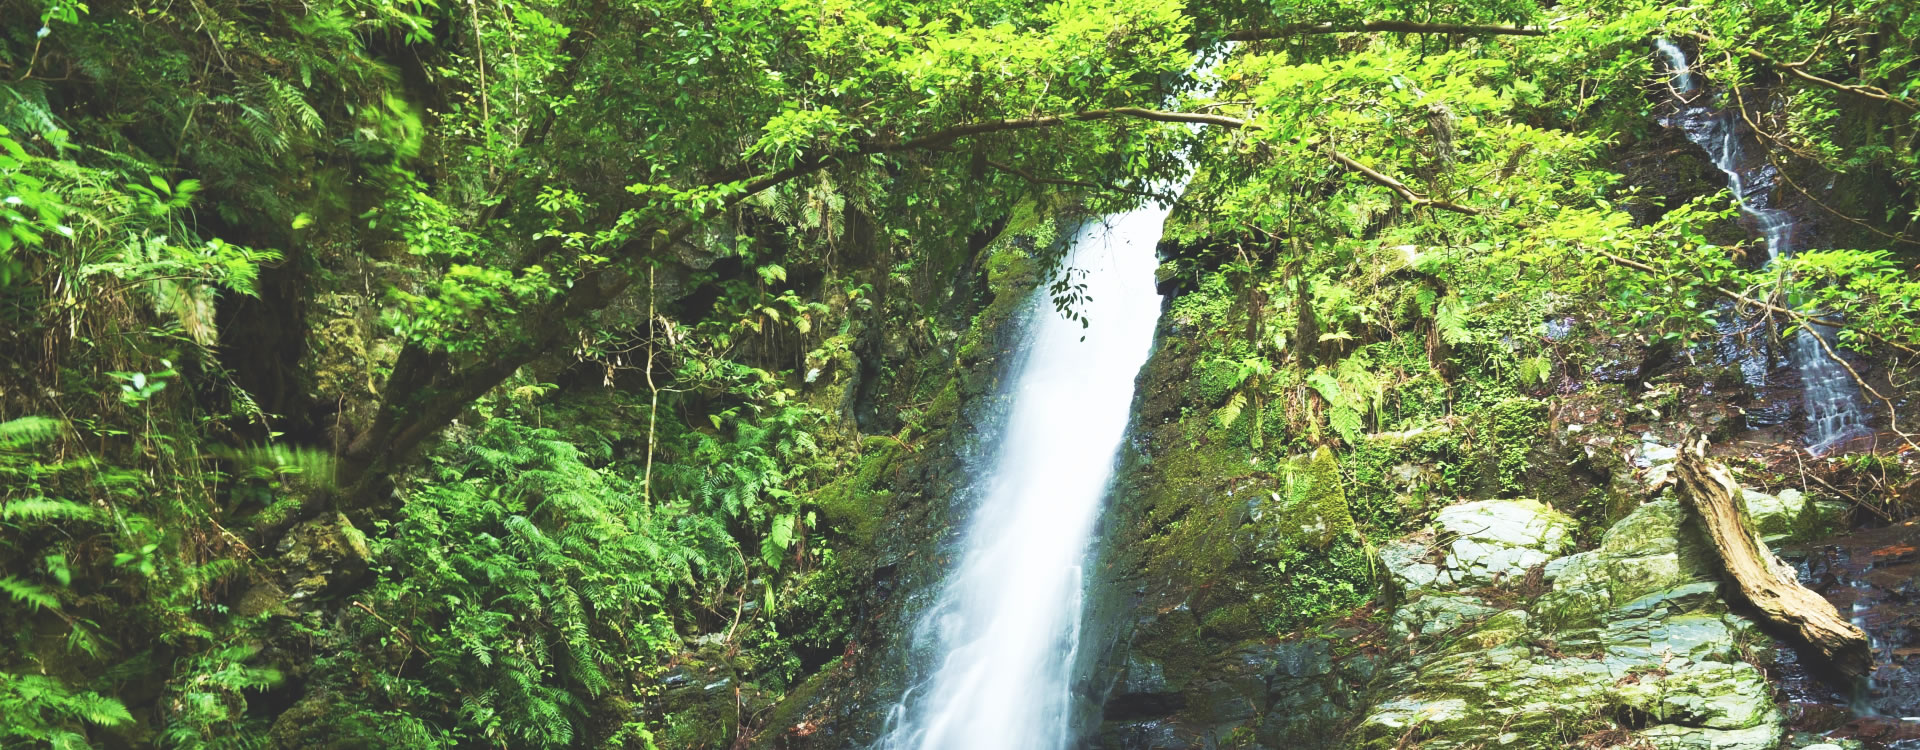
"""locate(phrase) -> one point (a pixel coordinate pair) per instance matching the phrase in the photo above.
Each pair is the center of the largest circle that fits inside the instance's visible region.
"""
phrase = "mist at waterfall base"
(1834, 409)
(1006, 625)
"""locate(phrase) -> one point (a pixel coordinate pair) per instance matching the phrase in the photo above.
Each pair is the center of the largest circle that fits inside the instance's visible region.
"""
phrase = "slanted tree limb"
(1797, 316)
(1399, 187)
(1403, 27)
(1039, 180)
(942, 138)
(1762, 579)
(1798, 70)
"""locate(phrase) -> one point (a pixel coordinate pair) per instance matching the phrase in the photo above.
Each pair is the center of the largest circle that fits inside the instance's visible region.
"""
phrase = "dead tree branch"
(1761, 578)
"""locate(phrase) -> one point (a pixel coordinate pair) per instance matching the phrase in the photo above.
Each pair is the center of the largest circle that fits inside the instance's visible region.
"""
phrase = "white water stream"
(1007, 623)
(1834, 409)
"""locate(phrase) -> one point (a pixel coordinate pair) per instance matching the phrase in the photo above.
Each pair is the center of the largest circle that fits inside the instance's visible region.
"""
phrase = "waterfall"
(1006, 625)
(1834, 409)
(1676, 64)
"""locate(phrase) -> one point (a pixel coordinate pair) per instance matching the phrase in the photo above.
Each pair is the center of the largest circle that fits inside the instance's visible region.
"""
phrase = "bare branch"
(1398, 186)
(1039, 180)
(942, 138)
(1786, 175)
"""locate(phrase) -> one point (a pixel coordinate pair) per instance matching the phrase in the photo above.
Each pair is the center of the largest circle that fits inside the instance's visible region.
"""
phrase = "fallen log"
(1770, 585)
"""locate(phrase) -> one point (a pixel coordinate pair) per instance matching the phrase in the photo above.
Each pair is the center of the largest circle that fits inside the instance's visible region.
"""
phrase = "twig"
(653, 409)
(1883, 514)
(1781, 169)
(31, 60)
(1398, 186)
(1038, 180)
(1893, 416)
(396, 628)
(480, 61)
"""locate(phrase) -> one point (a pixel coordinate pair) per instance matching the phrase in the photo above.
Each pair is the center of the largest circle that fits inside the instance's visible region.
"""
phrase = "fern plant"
(39, 710)
(1248, 379)
(562, 584)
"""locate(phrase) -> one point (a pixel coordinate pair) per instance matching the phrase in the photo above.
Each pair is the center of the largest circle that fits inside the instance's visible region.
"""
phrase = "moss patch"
(1312, 509)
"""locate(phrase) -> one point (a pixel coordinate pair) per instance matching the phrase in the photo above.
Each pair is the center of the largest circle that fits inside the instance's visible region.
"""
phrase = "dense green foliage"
(423, 375)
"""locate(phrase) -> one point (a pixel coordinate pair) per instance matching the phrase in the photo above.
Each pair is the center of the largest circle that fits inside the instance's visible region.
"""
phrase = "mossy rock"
(1651, 550)
(1633, 638)
(1393, 476)
(1310, 508)
(1791, 517)
(320, 555)
(1510, 436)
(854, 504)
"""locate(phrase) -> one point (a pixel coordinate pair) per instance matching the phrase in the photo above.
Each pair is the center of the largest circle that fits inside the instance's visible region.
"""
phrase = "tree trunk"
(1769, 584)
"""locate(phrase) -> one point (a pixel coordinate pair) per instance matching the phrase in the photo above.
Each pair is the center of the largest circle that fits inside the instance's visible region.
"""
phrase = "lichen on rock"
(1491, 542)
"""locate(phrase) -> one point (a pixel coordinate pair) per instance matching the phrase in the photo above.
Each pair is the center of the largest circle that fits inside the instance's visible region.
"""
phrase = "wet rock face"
(897, 511)
(1205, 553)
(1631, 634)
(1281, 695)
(1873, 575)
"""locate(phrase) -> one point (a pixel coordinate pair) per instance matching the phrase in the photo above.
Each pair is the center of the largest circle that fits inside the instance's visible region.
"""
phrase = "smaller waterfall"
(1834, 409)
(1677, 65)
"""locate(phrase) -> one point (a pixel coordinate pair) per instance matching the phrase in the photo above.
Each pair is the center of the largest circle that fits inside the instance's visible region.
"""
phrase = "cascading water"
(1007, 623)
(1835, 412)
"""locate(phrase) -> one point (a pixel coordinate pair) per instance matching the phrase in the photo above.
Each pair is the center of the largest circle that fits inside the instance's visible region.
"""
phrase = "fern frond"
(1451, 318)
(24, 431)
(27, 593)
(1347, 421)
(1537, 369)
(1229, 413)
(292, 107)
(45, 509)
(100, 709)
(315, 465)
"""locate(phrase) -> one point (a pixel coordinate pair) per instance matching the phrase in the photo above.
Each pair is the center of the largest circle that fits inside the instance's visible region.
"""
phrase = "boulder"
(1407, 566)
(1499, 541)
(1632, 635)
(321, 554)
(1437, 614)
(1649, 551)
